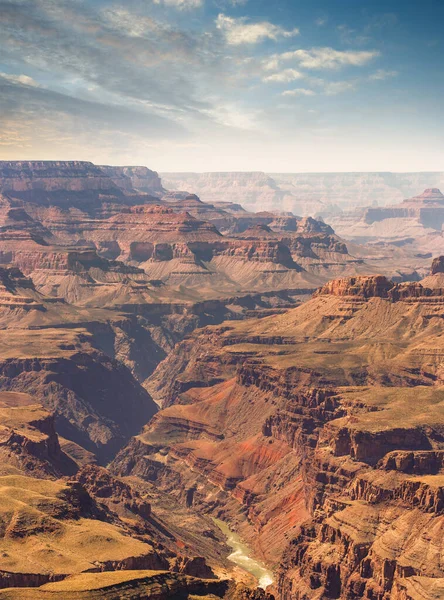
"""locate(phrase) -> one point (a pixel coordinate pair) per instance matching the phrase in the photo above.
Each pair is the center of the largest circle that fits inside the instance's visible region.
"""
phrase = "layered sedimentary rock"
(178, 249)
(54, 216)
(427, 209)
(82, 385)
(134, 585)
(67, 185)
(135, 178)
(317, 434)
(348, 190)
(415, 225)
(50, 176)
(254, 191)
(303, 193)
(89, 521)
(28, 440)
(92, 528)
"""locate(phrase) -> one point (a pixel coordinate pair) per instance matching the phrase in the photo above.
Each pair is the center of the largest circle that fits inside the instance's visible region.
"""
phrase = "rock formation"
(415, 225)
(134, 333)
(303, 193)
(56, 215)
(141, 179)
(317, 434)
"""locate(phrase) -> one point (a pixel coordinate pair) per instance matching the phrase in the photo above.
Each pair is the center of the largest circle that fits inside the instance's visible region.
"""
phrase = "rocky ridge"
(317, 434)
(415, 224)
(303, 193)
(256, 414)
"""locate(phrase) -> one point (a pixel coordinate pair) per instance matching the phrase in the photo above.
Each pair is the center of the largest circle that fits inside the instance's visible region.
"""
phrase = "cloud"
(21, 100)
(284, 76)
(134, 25)
(329, 58)
(299, 92)
(20, 79)
(240, 31)
(382, 74)
(321, 21)
(332, 88)
(129, 57)
(236, 116)
(181, 4)
(325, 88)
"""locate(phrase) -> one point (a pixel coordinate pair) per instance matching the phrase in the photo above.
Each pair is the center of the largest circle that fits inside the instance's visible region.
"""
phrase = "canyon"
(319, 433)
(416, 222)
(170, 362)
(304, 193)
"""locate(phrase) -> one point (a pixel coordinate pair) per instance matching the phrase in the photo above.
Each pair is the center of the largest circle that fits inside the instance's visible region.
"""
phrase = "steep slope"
(97, 401)
(303, 193)
(349, 190)
(141, 179)
(255, 191)
(28, 440)
(416, 221)
(436, 277)
(317, 434)
(63, 530)
(66, 185)
(58, 218)
(134, 585)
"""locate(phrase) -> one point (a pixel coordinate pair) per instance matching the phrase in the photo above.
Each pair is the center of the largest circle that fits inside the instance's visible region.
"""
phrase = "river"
(241, 556)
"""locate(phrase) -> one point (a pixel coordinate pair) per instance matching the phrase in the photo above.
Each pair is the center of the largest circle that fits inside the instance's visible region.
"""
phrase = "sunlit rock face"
(318, 432)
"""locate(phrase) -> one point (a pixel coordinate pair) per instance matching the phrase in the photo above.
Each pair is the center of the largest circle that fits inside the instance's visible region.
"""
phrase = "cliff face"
(255, 191)
(427, 209)
(53, 214)
(69, 184)
(81, 385)
(135, 178)
(415, 225)
(437, 265)
(54, 528)
(28, 440)
(317, 434)
(50, 176)
(303, 193)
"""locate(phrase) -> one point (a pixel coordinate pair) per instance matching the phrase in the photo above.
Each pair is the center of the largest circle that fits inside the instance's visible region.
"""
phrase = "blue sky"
(217, 85)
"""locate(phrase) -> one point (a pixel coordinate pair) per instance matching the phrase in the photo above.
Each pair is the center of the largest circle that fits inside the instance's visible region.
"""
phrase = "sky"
(224, 85)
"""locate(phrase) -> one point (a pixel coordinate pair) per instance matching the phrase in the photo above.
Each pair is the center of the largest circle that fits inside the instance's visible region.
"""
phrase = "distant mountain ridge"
(304, 193)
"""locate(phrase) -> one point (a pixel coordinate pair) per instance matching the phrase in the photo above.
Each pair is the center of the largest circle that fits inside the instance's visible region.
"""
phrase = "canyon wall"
(303, 193)
(317, 434)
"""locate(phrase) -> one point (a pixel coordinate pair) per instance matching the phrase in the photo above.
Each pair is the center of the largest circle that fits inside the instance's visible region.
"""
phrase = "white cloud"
(332, 88)
(324, 58)
(20, 79)
(326, 88)
(131, 24)
(235, 115)
(299, 92)
(382, 74)
(321, 21)
(239, 31)
(181, 4)
(284, 76)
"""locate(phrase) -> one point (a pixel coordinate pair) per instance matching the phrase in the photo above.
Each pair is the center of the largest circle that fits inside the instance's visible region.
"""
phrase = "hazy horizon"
(224, 85)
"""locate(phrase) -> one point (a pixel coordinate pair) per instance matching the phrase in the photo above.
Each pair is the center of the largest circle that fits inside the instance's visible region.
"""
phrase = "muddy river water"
(242, 556)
